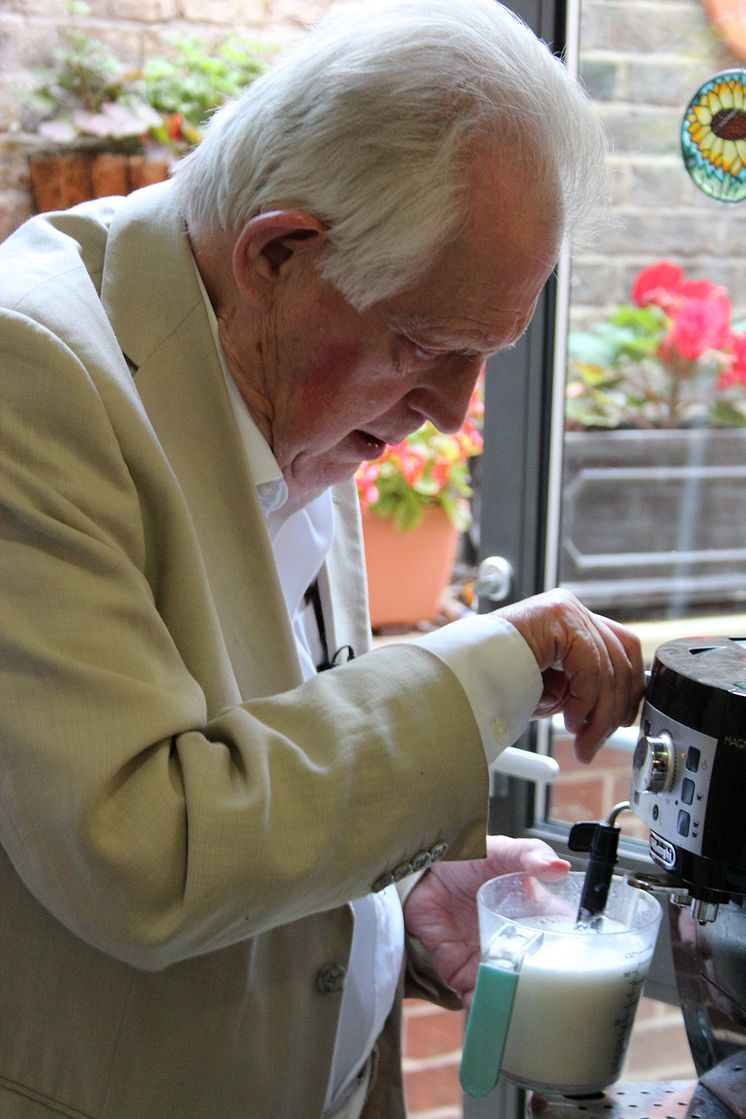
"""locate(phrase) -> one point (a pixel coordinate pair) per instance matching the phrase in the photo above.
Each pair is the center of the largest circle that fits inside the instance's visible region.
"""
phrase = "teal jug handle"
(492, 1008)
(487, 1029)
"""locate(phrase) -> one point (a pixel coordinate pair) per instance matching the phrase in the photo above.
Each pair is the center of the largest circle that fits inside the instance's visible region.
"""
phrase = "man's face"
(343, 384)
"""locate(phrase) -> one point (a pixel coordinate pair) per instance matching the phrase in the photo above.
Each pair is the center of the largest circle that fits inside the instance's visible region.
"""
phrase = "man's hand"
(591, 666)
(441, 910)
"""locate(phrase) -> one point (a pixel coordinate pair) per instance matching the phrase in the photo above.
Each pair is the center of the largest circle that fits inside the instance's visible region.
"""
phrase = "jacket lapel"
(346, 610)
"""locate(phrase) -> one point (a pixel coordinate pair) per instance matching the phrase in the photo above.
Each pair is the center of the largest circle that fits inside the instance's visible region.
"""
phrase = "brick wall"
(135, 30)
(643, 61)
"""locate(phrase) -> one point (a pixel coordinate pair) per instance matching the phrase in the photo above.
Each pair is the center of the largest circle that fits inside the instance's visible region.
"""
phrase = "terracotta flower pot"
(62, 179)
(408, 571)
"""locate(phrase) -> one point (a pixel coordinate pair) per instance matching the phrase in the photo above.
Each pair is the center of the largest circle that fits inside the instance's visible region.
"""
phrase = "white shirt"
(493, 664)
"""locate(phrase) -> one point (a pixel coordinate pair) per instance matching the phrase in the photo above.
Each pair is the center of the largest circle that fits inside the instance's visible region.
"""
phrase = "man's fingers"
(506, 855)
(633, 652)
(591, 666)
(620, 684)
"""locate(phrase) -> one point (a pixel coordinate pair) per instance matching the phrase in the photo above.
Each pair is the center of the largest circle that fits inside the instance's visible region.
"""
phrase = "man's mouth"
(372, 446)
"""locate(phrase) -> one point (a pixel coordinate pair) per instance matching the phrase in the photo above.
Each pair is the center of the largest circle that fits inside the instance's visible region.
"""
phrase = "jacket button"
(421, 860)
(331, 979)
(382, 882)
(438, 851)
(402, 871)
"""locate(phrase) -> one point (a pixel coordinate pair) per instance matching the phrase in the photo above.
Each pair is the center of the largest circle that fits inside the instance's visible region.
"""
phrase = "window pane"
(652, 499)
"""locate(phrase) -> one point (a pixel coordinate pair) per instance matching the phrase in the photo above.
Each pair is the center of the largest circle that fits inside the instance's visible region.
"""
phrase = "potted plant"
(671, 358)
(655, 448)
(102, 128)
(415, 503)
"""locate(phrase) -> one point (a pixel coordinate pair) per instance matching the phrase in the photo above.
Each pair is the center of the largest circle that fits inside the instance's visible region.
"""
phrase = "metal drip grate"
(673, 1099)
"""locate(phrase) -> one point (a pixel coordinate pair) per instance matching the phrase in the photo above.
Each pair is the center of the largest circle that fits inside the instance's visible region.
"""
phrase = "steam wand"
(600, 838)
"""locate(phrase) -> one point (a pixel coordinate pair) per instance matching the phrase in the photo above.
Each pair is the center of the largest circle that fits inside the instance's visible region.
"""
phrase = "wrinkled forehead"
(512, 229)
(482, 288)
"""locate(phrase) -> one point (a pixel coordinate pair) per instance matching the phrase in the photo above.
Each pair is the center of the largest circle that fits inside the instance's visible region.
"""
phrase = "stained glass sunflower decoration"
(713, 136)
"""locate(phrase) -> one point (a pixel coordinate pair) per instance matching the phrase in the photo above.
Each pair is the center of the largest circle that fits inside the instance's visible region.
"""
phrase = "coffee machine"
(689, 787)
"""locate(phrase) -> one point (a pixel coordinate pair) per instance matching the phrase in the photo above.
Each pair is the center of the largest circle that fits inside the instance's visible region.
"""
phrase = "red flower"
(698, 309)
(657, 284)
(664, 358)
(735, 374)
(175, 126)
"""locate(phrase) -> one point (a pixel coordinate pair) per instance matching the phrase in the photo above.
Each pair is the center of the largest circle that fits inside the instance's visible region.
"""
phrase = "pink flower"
(413, 465)
(699, 310)
(440, 473)
(735, 373)
(700, 321)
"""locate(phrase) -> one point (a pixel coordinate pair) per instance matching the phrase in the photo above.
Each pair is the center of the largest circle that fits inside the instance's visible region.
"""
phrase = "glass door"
(615, 450)
(646, 497)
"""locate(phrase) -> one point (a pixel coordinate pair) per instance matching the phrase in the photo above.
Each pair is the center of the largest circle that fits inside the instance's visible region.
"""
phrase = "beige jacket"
(182, 820)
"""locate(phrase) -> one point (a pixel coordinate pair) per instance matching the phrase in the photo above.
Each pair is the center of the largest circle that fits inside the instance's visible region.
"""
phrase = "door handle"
(494, 579)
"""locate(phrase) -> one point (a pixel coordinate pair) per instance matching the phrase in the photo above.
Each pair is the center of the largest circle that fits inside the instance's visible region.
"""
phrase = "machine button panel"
(670, 786)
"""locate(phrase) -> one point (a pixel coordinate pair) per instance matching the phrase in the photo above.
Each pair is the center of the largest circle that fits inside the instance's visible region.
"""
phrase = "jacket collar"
(163, 329)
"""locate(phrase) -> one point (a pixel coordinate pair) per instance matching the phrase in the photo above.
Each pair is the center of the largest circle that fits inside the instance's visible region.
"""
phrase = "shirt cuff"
(497, 671)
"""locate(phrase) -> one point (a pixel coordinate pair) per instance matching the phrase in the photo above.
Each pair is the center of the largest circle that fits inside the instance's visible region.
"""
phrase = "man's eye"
(421, 353)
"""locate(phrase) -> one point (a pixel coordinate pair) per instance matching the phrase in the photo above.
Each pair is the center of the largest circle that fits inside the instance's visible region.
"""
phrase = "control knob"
(653, 763)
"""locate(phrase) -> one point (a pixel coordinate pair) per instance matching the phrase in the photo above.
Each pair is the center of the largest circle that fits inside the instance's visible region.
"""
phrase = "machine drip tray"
(720, 1094)
(726, 1084)
(672, 1099)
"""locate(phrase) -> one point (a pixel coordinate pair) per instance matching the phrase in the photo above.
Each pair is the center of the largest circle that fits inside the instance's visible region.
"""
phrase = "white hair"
(365, 124)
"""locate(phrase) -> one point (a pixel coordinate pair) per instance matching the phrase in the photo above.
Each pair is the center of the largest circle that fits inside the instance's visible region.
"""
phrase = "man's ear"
(267, 242)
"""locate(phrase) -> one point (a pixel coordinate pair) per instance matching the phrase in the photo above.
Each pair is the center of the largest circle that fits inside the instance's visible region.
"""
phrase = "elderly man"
(206, 843)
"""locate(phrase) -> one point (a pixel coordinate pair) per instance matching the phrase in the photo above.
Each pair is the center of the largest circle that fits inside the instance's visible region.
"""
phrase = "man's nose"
(445, 397)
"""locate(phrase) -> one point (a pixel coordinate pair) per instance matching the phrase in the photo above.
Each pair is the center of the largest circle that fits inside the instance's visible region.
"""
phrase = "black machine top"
(701, 682)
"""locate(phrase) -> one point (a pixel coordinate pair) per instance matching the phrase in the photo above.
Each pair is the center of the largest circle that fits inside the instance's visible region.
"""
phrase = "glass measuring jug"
(554, 1003)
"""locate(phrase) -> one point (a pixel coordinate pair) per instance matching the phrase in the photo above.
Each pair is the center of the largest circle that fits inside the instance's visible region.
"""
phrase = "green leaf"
(724, 414)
